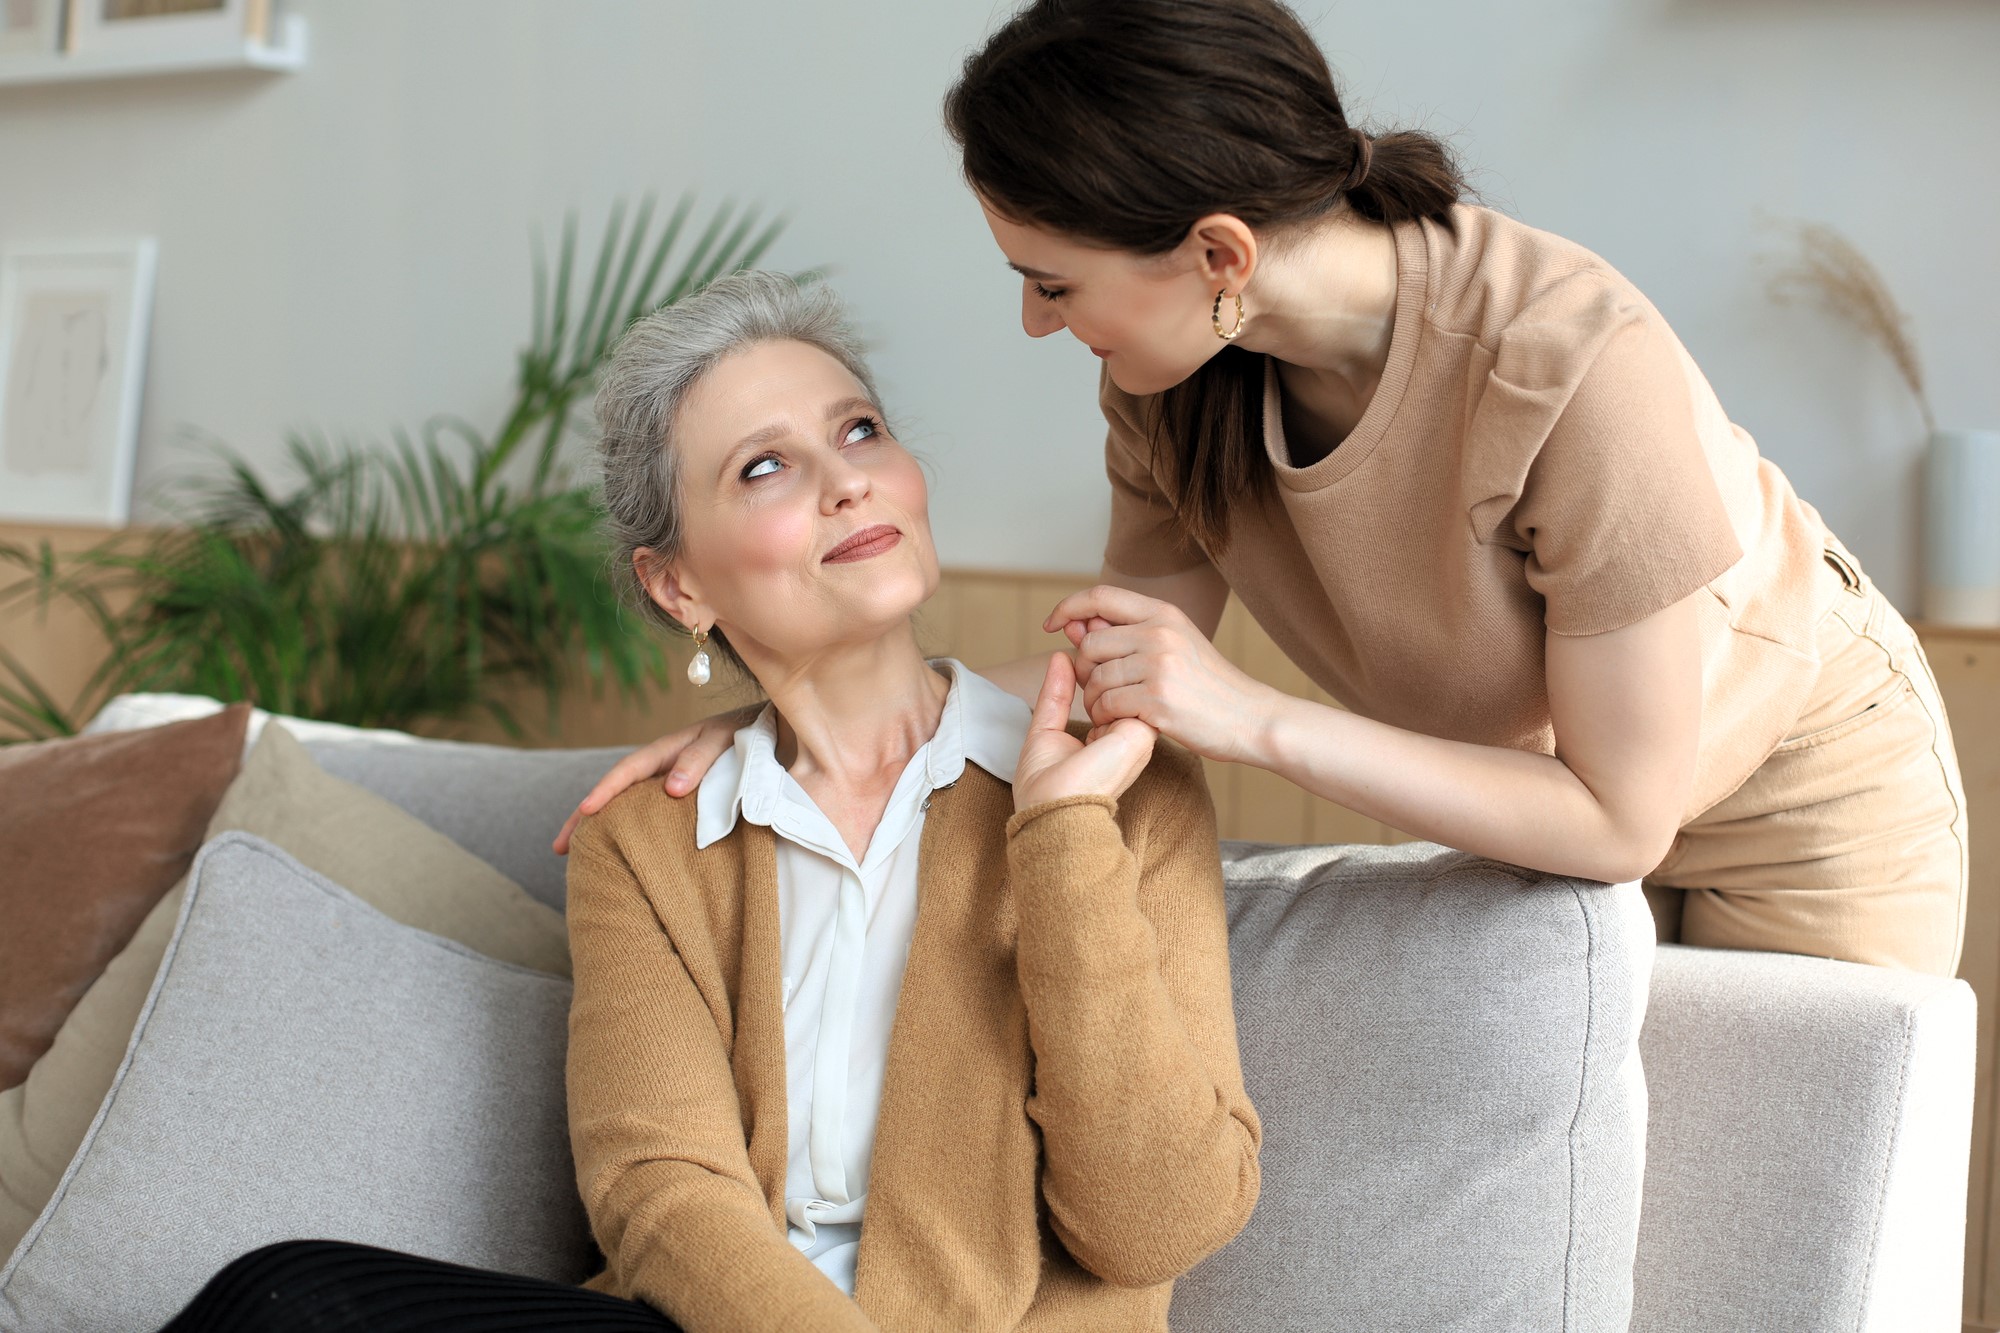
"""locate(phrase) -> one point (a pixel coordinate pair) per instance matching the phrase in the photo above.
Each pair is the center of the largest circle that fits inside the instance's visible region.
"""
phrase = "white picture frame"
(30, 28)
(73, 325)
(203, 28)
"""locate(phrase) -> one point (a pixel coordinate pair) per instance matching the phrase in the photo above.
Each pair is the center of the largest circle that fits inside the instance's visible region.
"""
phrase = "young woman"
(918, 1015)
(1466, 477)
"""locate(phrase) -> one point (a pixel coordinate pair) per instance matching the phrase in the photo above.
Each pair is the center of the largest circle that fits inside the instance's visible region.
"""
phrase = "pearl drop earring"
(698, 671)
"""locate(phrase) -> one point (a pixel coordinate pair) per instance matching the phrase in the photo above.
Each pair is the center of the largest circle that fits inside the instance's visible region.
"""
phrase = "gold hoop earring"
(698, 671)
(1215, 317)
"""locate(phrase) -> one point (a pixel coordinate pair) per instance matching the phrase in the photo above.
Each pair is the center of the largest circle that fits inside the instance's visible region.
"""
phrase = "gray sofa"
(1489, 1101)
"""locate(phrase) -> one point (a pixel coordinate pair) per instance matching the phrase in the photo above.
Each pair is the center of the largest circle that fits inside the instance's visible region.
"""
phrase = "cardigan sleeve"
(1149, 1141)
(657, 1132)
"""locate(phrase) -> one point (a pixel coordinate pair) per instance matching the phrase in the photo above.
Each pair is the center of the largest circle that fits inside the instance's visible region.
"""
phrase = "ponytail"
(1403, 176)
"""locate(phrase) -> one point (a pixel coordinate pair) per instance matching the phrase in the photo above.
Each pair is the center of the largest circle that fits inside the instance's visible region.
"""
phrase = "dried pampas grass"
(1829, 270)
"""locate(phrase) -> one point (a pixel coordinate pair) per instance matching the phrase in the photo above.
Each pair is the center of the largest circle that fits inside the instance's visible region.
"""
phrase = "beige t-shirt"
(1541, 456)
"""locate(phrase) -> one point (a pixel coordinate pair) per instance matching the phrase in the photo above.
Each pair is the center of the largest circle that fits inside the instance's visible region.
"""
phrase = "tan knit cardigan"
(1063, 1125)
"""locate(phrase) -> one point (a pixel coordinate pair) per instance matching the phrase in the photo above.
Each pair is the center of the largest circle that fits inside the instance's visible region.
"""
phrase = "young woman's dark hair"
(1123, 121)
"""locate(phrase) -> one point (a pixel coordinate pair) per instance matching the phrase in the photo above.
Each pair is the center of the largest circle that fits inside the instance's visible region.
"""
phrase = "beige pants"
(1849, 841)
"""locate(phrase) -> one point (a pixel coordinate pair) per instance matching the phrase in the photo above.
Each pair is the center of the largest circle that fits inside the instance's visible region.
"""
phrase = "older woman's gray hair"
(656, 365)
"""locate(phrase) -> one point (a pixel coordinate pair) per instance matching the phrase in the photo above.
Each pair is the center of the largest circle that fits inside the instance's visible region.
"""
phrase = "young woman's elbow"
(1630, 863)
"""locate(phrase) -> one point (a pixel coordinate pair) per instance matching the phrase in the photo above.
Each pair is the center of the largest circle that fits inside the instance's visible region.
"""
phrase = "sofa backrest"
(502, 804)
(1444, 1053)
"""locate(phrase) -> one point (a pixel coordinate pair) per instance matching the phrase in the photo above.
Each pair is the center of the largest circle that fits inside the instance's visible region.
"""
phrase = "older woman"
(918, 1016)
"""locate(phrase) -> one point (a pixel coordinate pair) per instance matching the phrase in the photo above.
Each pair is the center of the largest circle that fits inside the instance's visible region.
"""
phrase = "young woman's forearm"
(1512, 805)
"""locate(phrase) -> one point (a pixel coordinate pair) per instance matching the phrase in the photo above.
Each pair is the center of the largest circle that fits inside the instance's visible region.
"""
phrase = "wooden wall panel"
(981, 617)
(1268, 807)
(56, 644)
(989, 623)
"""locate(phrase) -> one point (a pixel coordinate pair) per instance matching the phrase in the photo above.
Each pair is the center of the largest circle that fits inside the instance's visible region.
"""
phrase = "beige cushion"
(404, 869)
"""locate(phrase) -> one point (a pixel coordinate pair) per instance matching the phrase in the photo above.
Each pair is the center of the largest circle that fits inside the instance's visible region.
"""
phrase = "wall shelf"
(287, 52)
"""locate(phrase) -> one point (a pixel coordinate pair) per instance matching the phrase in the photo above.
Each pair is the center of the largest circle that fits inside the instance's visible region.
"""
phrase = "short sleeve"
(1620, 513)
(1146, 540)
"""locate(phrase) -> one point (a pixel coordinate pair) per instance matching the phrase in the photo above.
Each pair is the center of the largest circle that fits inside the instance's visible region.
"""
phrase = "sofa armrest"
(1807, 1147)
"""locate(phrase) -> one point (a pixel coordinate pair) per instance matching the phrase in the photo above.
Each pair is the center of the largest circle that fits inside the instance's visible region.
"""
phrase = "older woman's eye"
(760, 467)
(869, 424)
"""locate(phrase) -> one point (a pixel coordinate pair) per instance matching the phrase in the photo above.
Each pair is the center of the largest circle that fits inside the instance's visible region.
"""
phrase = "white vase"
(1962, 528)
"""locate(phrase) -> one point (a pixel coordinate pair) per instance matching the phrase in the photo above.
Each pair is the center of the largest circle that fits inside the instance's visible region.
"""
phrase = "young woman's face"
(806, 524)
(1148, 317)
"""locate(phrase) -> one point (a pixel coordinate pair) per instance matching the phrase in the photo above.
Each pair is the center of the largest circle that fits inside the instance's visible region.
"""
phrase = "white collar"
(981, 722)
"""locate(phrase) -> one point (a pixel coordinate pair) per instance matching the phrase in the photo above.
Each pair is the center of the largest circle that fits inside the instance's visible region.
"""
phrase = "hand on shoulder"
(685, 756)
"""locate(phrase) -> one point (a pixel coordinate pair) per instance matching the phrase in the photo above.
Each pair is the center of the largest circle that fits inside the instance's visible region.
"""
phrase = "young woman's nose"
(1039, 316)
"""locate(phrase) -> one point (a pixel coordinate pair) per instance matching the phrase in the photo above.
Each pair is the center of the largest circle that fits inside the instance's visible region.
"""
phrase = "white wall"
(347, 247)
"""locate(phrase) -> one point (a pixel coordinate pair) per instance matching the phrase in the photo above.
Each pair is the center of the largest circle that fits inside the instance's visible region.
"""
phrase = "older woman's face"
(807, 525)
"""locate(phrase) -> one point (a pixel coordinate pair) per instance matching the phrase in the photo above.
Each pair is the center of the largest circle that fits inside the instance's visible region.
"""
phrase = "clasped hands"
(1142, 669)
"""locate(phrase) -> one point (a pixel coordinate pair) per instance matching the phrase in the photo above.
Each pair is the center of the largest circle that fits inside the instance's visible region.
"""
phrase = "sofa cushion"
(305, 1066)
(399, 866)
(93, 832)
(1444, 1053)
(505, 804)
(399, 863)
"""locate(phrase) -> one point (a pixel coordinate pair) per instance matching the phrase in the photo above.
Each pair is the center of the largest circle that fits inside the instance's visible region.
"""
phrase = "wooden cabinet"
(1967, 665)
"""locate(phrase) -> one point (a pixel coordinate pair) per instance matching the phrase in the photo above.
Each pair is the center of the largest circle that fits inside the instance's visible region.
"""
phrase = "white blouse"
(844, 930)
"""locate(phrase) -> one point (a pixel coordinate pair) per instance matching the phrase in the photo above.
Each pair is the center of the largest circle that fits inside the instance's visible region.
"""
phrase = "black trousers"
(297, 1286)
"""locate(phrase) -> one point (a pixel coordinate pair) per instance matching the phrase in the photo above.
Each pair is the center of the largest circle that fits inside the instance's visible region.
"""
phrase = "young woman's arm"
(657, 1131)
(1625, 704)
(1149, 1141)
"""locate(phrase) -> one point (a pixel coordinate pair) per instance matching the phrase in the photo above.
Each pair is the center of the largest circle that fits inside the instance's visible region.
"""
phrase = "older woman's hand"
(1143, 659)
(689, 753)
(1055, 764)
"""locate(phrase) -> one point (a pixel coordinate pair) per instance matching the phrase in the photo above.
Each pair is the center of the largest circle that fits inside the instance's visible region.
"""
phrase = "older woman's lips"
(863, 545)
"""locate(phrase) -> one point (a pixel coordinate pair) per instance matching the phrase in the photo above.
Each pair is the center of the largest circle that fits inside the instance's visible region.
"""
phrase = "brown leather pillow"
(93, 832)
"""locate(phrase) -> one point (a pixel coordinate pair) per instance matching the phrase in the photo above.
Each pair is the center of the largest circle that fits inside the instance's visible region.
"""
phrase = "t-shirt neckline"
(1412, 287)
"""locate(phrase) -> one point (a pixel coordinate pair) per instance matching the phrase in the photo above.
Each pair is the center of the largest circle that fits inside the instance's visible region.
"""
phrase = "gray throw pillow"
(305, 1066)
(1444, 1052)
(501, 803)
(391, 859)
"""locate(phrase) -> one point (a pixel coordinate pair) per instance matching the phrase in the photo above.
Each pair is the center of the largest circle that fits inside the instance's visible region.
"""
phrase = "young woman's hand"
(1055, 764)
(689, 753)
(1143, 659)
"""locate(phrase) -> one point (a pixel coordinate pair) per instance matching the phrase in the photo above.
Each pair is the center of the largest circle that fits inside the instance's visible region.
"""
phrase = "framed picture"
(30, 27)
(163, 28)
(72, 358)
